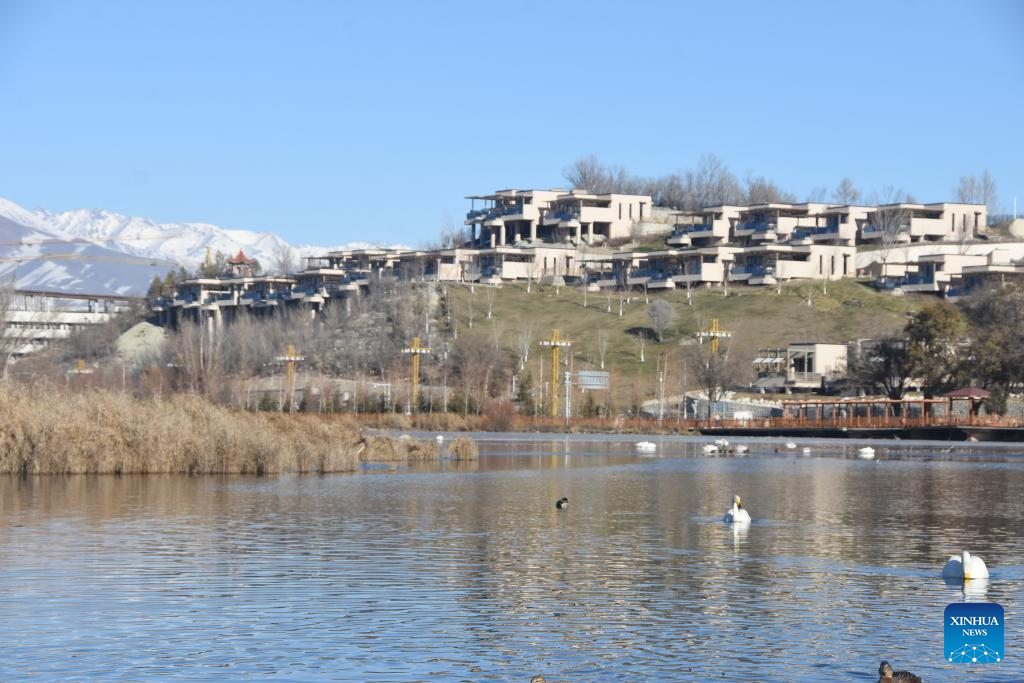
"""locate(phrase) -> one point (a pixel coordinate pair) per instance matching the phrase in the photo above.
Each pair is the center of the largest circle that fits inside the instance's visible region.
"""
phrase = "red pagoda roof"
(241, 259)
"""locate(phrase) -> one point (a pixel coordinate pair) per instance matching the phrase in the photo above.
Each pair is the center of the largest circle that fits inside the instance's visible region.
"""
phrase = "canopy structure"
(973, 395)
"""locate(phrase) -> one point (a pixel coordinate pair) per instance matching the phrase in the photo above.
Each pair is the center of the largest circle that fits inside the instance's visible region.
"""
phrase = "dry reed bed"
(110, 433)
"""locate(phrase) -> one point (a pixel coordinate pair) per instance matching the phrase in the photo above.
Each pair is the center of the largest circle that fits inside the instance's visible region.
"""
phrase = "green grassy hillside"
(759, 317)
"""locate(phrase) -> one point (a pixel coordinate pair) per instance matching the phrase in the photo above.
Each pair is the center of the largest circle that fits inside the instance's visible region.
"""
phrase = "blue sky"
(328, 122)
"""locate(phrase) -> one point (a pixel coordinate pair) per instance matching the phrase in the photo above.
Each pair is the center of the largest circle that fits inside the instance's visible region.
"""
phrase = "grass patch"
(759, 317)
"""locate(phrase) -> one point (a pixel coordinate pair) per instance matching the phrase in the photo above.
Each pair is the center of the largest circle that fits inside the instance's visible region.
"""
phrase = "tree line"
(711, 183)
(944, 346)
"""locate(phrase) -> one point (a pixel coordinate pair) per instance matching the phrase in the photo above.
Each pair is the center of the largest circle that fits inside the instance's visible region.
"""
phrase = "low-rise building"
(768, 264)
(713, 225)
(776, 221)
(835, 225)
(906, 222)
(801, 366)
(509, 216)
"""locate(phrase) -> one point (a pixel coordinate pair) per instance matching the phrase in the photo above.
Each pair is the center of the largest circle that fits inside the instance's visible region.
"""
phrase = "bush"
(499, 416)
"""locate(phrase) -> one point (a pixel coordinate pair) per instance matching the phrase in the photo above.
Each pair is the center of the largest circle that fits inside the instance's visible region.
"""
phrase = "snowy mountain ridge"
(102, 252)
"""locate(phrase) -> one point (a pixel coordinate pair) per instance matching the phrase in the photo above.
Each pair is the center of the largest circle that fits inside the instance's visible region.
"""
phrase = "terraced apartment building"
(558, 236)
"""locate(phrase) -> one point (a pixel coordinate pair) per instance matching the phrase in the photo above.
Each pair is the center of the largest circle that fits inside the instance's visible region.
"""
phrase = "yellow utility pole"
(290, 359)
(714, 334)
(555, 343)
(79, 370)
(415, 351)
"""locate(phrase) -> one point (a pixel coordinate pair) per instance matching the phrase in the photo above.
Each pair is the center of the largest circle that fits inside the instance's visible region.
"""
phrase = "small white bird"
(807, 450)
(790, 445)
(737, 514)
(965, 567)
(866, 453)
(740, 448)
(646, 446)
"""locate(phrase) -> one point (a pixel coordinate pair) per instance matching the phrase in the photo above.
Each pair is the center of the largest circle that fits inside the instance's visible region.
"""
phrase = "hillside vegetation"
(759, 317)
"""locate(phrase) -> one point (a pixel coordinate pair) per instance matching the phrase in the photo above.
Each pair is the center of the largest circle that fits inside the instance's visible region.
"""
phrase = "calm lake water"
(467, 572)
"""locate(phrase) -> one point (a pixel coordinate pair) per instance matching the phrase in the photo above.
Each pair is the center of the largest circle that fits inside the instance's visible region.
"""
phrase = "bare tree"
(714, 371)
(284, 259)
(661, 314)
(470, 308)
(978, 190)
(817, 194)
(587, 173)
(709, 184)
(760, 190)
(497, 333)
(532, 271)
(524, 340)
(602, 345)
(641, 340)
(891, 220)
(846, 192)
(452, 235)
(489, 294)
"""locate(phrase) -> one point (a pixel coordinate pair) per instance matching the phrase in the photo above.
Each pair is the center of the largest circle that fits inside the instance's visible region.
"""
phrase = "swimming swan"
(965, 567)
(737, 514)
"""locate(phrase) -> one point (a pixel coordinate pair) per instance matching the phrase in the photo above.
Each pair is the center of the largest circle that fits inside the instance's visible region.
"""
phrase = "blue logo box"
(973, 633)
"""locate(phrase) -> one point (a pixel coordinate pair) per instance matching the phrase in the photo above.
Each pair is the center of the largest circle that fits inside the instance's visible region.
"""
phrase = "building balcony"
(477, 215)
(553, 217)
(751, 227)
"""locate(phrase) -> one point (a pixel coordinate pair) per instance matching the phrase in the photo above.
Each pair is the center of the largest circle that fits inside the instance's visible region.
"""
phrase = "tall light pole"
(415, 351)
(555, 343)
(79, 370)
(290, 359)
(714, 334)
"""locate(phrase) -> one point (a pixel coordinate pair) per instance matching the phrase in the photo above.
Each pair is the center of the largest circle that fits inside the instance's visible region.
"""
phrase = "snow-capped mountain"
(38, 258)
(184, 243)
(98, 251)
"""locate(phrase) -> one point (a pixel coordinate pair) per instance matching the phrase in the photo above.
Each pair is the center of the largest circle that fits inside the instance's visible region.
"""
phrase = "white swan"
(866, 453)
(806, 450)
(646, 446)
(721, 443)
(710, 448)
(965, 567)
(741, 449)
(790, 445)
(737, 514)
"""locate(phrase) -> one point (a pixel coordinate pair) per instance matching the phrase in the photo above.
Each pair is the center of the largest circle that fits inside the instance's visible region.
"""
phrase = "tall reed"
(115, 433)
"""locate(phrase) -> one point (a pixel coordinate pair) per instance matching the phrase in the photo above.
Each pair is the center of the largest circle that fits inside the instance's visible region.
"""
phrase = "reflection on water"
(466, 571)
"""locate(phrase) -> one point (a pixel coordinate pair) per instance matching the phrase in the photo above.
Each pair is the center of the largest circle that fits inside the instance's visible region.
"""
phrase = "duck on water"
(887, 675)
